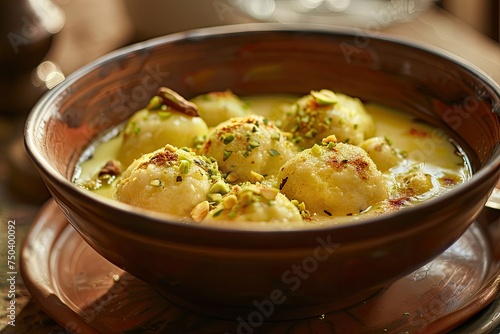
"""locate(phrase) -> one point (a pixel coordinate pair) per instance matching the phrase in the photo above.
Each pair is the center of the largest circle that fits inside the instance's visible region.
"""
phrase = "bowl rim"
(36, 115)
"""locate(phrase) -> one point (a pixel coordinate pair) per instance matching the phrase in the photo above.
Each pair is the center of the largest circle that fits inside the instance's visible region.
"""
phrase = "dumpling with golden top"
(382, 152)
(168, 180)
(160, 124)
(217, 107)
(413, 182)
(254, 203)
(324, 113)
(334, 179)
(248, 148)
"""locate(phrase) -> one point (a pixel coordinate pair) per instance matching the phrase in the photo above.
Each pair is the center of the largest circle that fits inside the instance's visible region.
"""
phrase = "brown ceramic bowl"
(269, 274)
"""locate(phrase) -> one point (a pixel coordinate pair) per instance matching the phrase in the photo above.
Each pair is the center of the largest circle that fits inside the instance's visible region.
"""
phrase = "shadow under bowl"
(278, 274)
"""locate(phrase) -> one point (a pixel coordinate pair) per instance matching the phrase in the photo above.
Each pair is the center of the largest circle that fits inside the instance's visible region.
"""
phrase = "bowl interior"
(429, 84)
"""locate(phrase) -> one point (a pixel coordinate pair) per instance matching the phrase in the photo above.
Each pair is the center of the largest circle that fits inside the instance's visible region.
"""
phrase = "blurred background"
(44, 41)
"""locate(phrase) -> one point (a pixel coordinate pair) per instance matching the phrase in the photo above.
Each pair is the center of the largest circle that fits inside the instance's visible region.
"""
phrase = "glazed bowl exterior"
(254, 273)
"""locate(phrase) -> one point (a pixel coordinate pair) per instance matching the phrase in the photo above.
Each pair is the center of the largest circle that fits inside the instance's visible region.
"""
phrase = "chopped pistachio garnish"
(226, 154)
(200, 211)
(302, 208)
(155, 103)
(253, 144)
(269, 193)
(388, 141)
(229, 201)
(106, 177)
(310, 134)
(253, 188)
(214, 198)
(246, 198)
(164, 114)
(156, 183)
(256, 177)
(220, 187)
(216, 214)
(316, 150)
(232, 177)
(198, 141)
(325, 97)
(228, 139)
(184, 166)
(275, 136)
(90, 184)
(329, 139)
(273, 152)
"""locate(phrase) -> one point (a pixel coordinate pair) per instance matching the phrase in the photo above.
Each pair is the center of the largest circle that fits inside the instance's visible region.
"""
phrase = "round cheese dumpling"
(381, 152)
(324, 113)
(149, 130)
(414, 182)
(217, 107)
(251, 203)
(334, 179)
(248, 148)
(169, 180)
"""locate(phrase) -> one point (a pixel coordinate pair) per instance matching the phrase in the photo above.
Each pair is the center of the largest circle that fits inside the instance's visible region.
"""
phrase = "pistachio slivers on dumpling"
(333, 179)
(247, 146)
(323, 113)
(169, 180)
(249, 202)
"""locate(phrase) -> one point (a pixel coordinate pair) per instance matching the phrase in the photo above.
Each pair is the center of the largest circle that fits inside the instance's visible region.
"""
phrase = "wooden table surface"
(21, 191)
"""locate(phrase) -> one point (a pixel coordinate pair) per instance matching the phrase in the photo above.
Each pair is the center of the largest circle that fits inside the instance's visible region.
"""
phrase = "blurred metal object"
(357, 13)
(28, 27)
(50, 16)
